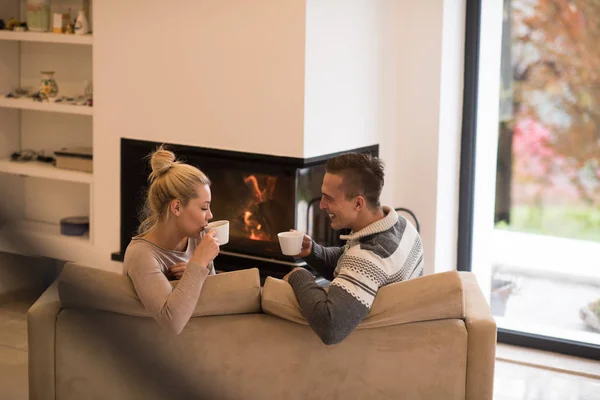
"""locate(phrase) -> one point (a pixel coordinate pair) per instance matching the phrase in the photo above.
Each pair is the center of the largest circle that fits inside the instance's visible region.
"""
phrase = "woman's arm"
(170, 307)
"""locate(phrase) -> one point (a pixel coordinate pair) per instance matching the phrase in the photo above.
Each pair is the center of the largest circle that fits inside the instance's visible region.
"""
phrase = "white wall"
(226, 74)
(430, 45)
(450, 130)
(344, 79)
(351, 75)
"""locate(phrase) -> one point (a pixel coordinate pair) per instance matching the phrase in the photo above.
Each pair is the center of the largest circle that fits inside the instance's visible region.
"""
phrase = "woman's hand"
(207, 250)
(177, 270)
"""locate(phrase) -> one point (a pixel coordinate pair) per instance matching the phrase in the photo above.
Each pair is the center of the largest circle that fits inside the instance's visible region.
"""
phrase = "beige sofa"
(90, 338)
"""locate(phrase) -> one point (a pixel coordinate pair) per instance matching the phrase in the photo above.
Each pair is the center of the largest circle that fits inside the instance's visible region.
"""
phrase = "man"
(382, 248)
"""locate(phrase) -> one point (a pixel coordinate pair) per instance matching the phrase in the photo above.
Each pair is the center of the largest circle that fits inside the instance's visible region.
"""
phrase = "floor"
(513, 381)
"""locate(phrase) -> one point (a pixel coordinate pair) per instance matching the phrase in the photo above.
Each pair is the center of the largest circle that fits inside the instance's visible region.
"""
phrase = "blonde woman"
(172, 242)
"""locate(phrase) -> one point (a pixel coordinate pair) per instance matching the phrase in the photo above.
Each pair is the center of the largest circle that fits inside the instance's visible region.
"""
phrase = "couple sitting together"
(382, 247)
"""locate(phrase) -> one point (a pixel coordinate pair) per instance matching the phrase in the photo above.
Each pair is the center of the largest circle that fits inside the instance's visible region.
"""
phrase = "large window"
(536, 189)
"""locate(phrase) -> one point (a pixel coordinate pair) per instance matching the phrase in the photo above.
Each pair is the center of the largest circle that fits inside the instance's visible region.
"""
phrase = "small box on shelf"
(75, 158)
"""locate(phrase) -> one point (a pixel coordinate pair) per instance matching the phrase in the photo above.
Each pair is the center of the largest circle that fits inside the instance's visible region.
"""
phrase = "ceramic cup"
(290, 242)
(222, 229)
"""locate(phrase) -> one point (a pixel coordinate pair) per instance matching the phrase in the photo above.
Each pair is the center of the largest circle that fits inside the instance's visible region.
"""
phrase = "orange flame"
(254, 227)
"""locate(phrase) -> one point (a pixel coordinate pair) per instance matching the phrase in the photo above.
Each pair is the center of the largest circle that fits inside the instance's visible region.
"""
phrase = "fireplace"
(259, 195)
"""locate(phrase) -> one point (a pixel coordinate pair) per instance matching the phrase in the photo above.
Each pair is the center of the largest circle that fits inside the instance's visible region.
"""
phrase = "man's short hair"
(362, 175)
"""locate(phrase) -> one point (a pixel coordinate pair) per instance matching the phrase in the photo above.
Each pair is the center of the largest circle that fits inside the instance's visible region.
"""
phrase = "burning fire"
(252, 219)
(254, 227)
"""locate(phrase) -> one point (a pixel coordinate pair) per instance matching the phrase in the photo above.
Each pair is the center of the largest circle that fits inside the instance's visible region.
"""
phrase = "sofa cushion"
(236, 292)
(431, 297)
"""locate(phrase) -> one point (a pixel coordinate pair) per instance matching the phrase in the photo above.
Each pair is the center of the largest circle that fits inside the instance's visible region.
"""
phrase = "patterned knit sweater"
(387, 251)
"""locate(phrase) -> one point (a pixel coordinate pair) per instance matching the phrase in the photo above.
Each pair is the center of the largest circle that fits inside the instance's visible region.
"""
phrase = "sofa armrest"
(41, 329)
(481, 351)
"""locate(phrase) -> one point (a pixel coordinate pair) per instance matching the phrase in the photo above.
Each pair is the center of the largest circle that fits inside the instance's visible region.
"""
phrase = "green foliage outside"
(563, 221)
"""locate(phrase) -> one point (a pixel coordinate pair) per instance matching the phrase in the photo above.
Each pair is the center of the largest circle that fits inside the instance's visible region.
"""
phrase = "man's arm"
(324, 259)
(332, 315)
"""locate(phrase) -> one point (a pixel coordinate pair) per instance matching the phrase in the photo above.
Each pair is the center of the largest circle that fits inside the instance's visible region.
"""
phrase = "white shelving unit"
(29, 104)
(38, 169)
(38, 238)
(40, 194)
(46, 37)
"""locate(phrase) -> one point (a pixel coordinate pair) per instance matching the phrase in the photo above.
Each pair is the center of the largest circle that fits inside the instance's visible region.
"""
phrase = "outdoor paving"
(548, 302)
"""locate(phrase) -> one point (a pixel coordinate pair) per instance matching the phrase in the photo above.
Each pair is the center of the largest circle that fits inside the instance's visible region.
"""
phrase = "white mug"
(222, 231)
(290, 242)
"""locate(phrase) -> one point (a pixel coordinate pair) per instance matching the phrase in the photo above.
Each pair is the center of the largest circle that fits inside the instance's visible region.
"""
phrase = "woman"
(172, 242)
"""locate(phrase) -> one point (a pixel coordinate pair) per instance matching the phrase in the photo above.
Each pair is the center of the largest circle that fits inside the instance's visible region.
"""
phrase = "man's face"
(333, 200)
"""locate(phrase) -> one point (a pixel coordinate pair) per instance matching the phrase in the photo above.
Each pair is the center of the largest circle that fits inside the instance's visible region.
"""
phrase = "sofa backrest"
(431, 297)
(85, 287)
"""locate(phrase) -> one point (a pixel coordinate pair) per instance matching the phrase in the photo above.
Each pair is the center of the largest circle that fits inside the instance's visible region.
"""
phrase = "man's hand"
(306, 247)
(177, 270)
(285, 278)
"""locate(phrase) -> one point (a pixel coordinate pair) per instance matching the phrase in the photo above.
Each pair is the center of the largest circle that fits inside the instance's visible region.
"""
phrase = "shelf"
(43, 239)
(44, 170)
(46, 37)
(29, 104)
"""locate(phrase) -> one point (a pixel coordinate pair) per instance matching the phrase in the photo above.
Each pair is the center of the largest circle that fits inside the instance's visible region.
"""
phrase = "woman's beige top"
(147, 265)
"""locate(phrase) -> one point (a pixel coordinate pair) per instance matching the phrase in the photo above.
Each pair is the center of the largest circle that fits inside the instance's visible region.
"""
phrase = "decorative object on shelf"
(23, 155)
(48, 86)
(88, 91)
(18, 93)
(74, 226)
(12, 22)
(70, 28)
(59, 22)
(21, 28)
(75, 158)
(75, 101)
(38, 15)
(31, 155)
(82, 27)
(2, 24)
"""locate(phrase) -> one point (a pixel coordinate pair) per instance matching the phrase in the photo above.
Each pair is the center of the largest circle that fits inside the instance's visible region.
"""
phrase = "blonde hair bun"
(161, 161)
(178, 180)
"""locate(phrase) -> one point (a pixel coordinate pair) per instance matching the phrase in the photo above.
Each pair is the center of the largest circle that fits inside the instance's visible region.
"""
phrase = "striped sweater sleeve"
(360, 277)
(324, 259)
(332, 315)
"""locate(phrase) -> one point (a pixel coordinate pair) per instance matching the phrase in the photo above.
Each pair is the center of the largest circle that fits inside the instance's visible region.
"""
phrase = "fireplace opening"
(259, 195)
